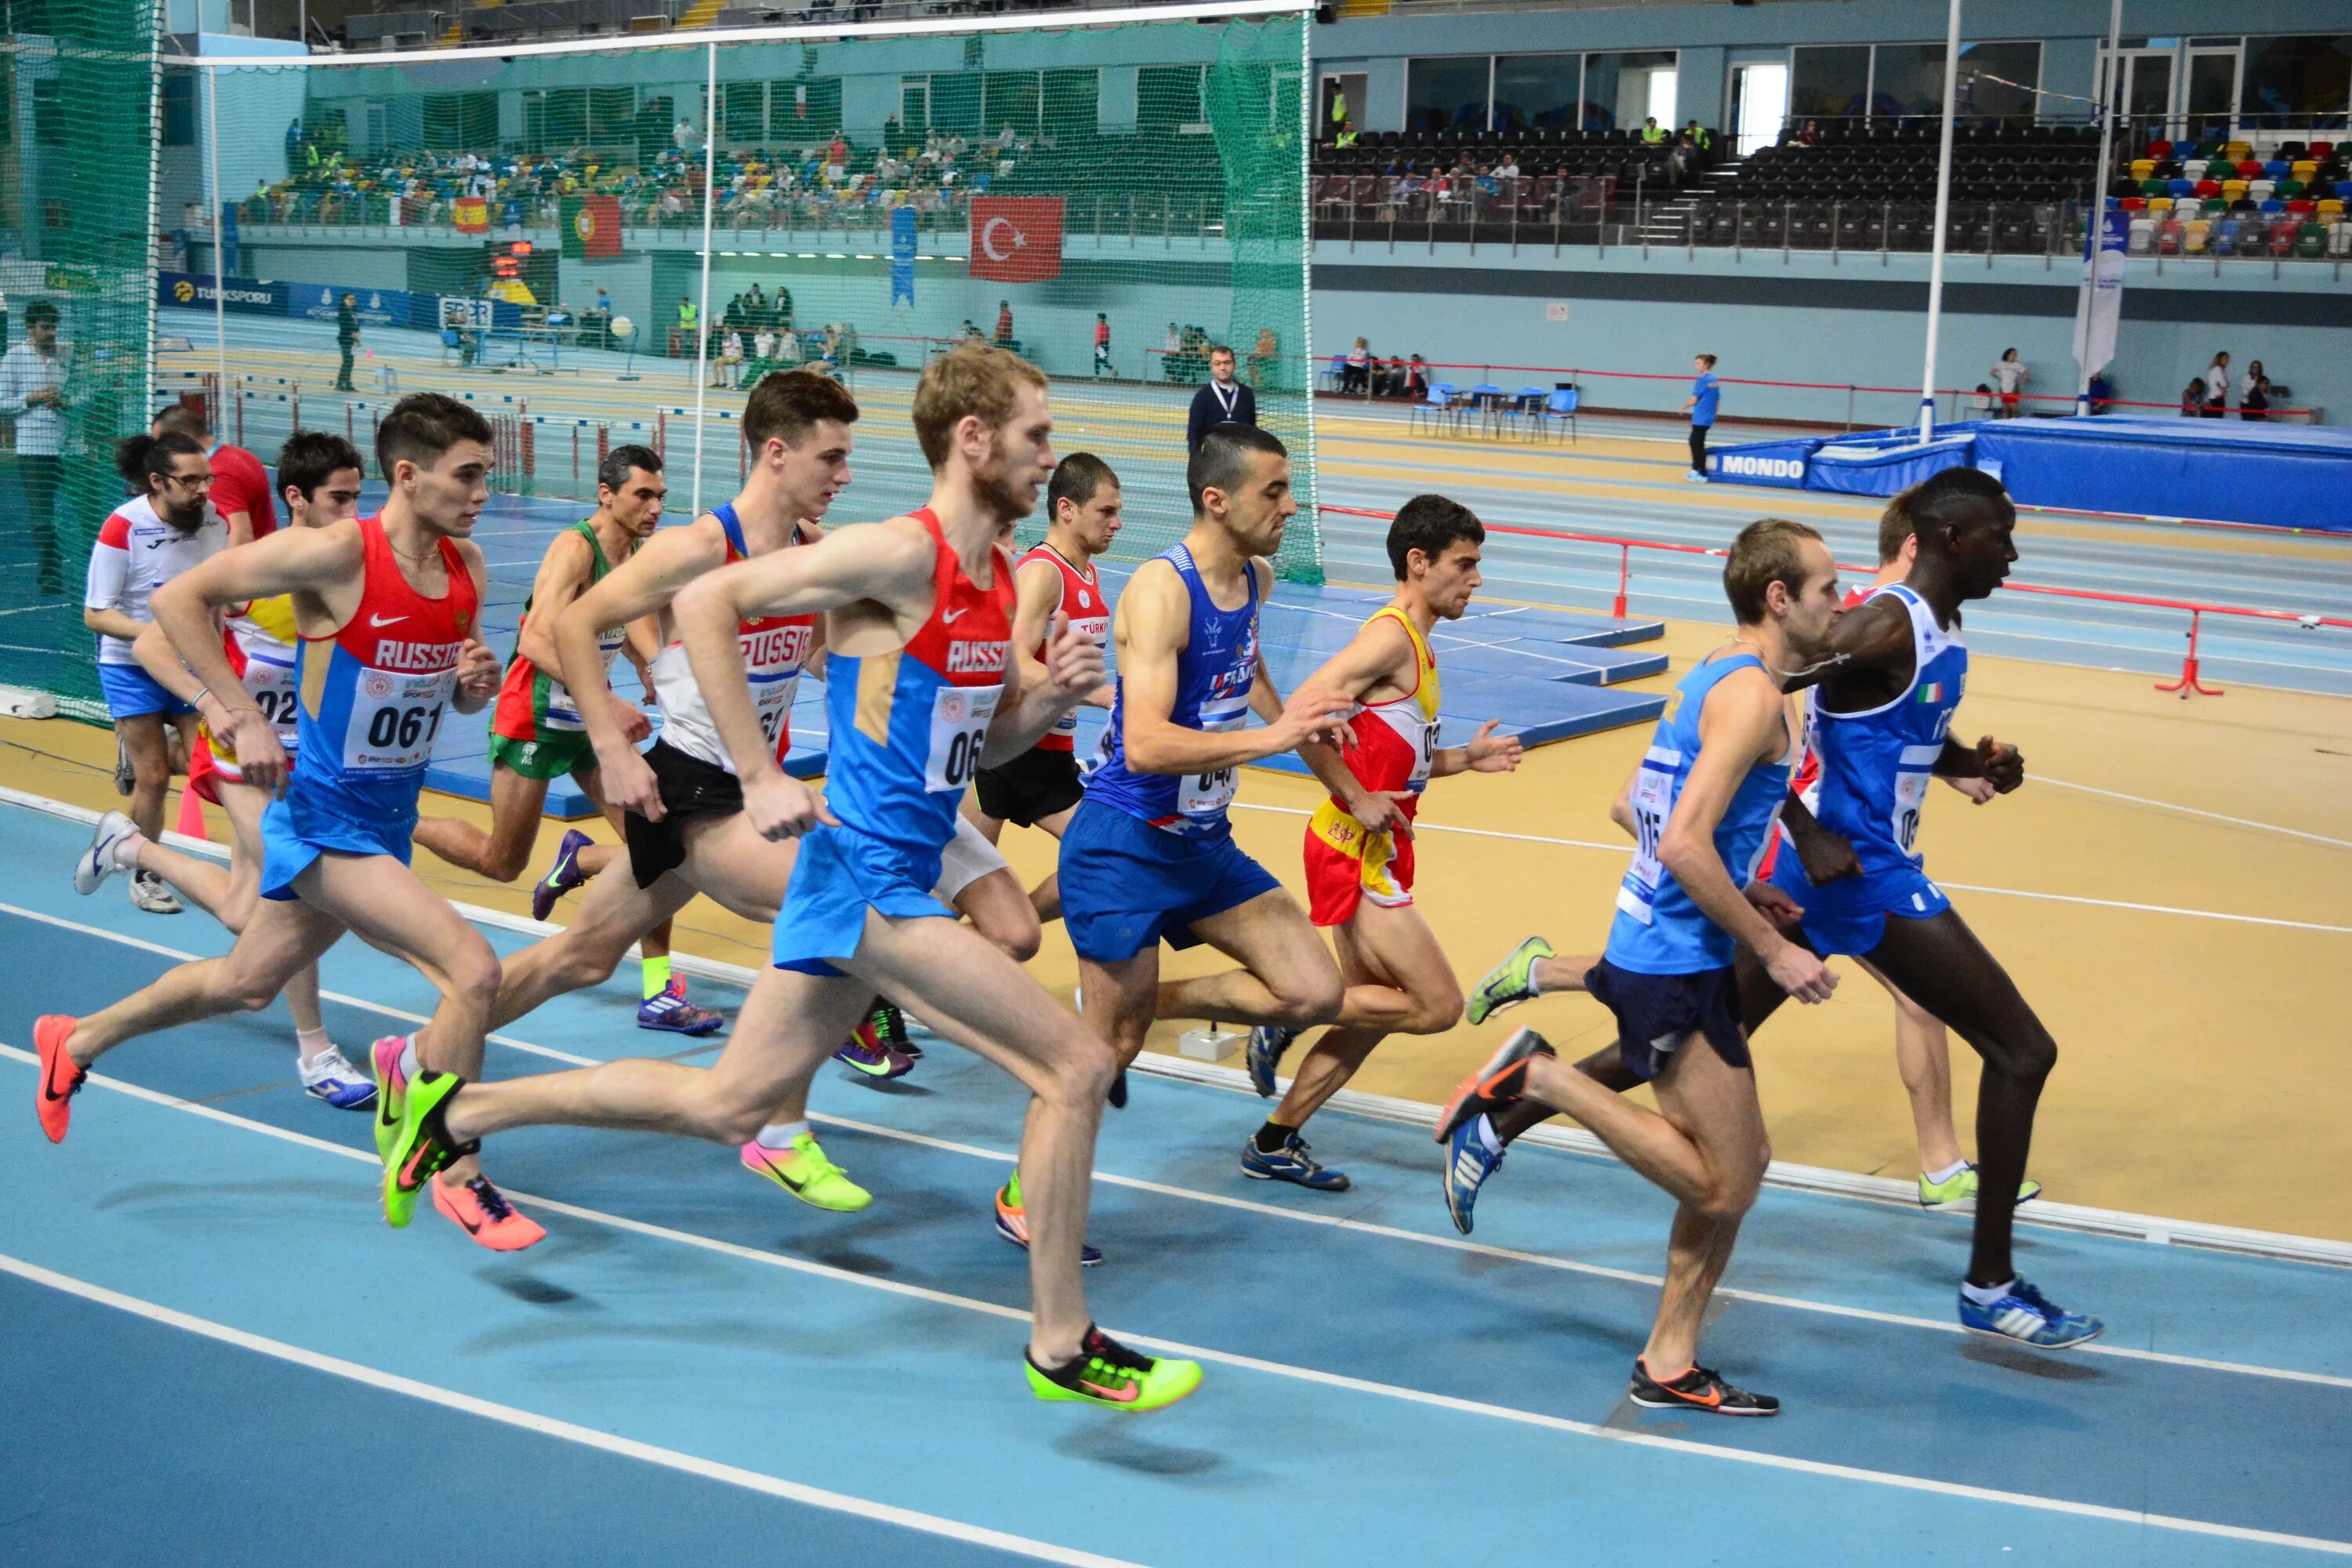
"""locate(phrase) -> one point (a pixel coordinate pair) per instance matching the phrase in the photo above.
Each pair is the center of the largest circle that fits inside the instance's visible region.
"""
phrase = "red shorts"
(204, 771)
(1346, 865)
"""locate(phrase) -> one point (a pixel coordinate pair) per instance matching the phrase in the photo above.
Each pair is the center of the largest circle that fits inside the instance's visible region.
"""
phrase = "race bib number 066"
(960, 716)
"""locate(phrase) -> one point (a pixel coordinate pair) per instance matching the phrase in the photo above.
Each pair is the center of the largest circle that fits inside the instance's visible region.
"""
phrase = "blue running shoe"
(562, 876)
(332, 1077)
(2026, 1315)
(1266, 1044)
(1291, 1163)
(1467, 1166)
(668, 1012)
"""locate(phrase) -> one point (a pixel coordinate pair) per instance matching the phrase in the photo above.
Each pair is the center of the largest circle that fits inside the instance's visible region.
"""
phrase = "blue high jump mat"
(2220, 470)
(1548, 675)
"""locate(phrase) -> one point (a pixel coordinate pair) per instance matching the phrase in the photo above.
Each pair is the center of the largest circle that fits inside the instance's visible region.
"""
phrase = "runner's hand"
(1491, 754)
(634, 725)
(1978, 790)
(478, 670)
(629, 782)
(1073, 661)
(1800, 974)
(1382, 811)
(1313, 715)
(1772, 903)
(780, 806)
(260, 756)
(2003, 764)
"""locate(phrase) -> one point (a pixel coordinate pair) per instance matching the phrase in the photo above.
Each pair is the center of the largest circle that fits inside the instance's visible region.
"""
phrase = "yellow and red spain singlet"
(1395, 742)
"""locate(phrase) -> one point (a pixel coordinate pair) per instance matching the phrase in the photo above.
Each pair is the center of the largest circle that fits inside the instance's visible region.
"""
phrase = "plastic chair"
(1337, 370)
(2330, 210)
(2276, 168)
(2169, 238)
(1487, 399)
(2186, 208)
(2180, 187)
(2303, 168)
(1559, 408)
(2141, 240)
(1527, 403)
(2247, 168)
(2339, 240)
(2238, 149)
(2194, 237)
(2209, 188)
(2141, 168)
(2159, 203)
(2310, 241)
(1436, 408)
(2233, 189)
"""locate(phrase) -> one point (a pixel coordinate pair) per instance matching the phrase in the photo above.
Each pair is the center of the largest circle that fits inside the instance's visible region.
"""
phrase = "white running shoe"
(153, 894)
(99, 862)
(329, 1076)
(126, 777)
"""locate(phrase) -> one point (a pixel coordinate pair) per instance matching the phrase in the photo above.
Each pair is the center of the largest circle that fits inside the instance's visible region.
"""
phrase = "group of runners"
(315, 665)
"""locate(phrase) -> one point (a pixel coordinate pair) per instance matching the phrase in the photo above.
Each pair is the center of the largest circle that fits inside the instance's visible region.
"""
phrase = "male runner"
(386, 607)
(322, 476)
(536, 735)
(1041, 787)
(1701, 807)
(1880, 720)
(1360, 845)
(240, 491)
(165, 529)
(1150, 853)
(920, 694)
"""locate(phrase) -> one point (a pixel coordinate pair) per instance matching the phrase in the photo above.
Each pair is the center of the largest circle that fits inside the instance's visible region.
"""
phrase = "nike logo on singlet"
(948, 617)
(385, 620)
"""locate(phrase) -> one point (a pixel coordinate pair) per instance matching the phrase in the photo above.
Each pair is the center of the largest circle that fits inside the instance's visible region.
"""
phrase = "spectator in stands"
(2217, 387)
(32, 392)
(1263, 355)
(1700, 405)
(1172, 353)
(763, 343)
(1652, 132)
(730, 360)
(1811, 136)
(2254, 393)
(1508, 168)
(1346, 135)
(1102, 337)
(2192, 401)
(2102, 392)
(240, 491)
(972, 333)
(2008, 377)
(1224, 401)
(1356, 369)
(1415, 383)
(1698, 135)
(347, 339)
(683, 136)
(1003, 323)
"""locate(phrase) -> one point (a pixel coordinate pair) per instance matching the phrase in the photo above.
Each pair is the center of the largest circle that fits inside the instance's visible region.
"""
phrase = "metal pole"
(702, 311)
(1943, 217)
(220, 227)
(2095, 229)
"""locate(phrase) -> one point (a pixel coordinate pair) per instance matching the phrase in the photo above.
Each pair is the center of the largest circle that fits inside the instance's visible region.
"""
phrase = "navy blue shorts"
(1656, 1013)
(1126, 885)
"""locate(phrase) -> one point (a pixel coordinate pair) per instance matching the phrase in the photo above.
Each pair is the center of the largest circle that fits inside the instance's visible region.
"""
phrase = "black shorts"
(1036, 785)
(1656, 1013)
(690, 787)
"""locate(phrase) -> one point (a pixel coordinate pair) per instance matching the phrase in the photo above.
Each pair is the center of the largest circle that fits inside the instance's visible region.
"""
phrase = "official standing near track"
(1225, 401)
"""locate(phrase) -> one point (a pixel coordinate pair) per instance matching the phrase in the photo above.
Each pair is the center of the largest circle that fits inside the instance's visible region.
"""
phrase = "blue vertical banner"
(227, 240)
(2101, 302)
(902, 255)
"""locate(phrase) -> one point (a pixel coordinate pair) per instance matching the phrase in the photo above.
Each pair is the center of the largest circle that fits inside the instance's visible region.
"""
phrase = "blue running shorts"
(1656, 1013)
(839, 874)
(294, 833)
(131, 691)
(1126, 885)
(1848, 917)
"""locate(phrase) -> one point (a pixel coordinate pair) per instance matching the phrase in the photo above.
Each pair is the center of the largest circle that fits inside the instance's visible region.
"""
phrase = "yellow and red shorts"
(1346, 864)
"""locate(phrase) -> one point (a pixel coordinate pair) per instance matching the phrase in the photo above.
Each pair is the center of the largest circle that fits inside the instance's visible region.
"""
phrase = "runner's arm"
(1073, 671)
(1826, 856)
(1735, 726)
(639, 587)
(154, 651)
(1486, 752)
(1372, 660)
(1990, 760)
(559, 582)
(477, 667)
(1870, 646)
(1036, 594)
(1151, 626)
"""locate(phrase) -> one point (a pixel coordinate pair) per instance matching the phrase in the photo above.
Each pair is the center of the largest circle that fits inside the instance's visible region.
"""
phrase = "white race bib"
(1653, 802)
(271, 683)
(393, 718)
(1099, 628)
(960, 716)
(1910, 794)
(563, 712)
(1205, 794)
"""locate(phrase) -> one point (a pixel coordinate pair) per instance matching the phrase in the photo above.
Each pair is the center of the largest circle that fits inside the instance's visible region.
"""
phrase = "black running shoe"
(1701, 1388)
(890, 1028)
(1118, 1096)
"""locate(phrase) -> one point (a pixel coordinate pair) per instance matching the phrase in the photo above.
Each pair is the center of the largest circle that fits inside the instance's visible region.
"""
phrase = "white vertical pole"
(2094, 226)
(702, 309)
(220, 264)
(1943, 215)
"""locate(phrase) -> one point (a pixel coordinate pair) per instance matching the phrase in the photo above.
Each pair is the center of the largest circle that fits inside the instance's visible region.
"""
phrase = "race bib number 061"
(393, 719)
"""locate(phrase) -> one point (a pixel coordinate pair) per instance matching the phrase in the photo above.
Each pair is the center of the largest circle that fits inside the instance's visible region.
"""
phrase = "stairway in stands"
(1669, 222)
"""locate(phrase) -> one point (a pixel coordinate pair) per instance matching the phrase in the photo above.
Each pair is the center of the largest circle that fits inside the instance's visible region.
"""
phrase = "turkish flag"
(1017, 239)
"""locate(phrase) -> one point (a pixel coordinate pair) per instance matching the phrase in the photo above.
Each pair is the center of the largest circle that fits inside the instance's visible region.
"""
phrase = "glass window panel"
(1618, 87)
(2293, 82)
(1166, 97)
(1535, 92)
(612, 112)
(1009, 97)
(1909, 80)
(461, 122)
(1447, 93)
(179, 107)
(743, 110)
(955, 103)
(1981, 96)
(1072, 101)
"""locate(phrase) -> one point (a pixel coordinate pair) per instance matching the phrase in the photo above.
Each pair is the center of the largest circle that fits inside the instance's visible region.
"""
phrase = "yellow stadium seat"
(2233, 189)
(2159, 203)
(2197, 233)
(2143, 168)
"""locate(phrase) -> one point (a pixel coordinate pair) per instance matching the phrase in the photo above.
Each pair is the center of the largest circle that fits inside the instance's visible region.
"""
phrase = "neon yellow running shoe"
(1959, 1188)
(804, 1171)
(1510, 983)
(1107, 1374)
(421, 1145)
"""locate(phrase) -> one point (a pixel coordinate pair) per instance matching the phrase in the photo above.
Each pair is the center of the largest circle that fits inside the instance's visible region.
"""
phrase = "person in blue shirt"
(1700, 405)
(1700, 807)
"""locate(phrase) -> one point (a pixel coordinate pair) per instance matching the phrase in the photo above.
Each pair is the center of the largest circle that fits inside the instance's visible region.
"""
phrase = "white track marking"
(1223, 1358)
(2194, 811)
(549, 1427)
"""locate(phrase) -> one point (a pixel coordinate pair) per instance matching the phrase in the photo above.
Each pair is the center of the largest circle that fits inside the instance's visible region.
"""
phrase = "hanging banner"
(470, 215)
(2100, 305)
(902, 255)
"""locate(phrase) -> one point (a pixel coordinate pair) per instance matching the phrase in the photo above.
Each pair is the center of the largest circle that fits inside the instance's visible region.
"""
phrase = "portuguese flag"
(591, 226)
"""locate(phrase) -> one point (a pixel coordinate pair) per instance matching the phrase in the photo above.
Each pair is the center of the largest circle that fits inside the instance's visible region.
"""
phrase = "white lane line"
(2195, 811)
(1282, 1369)
(1423, 826)
(1006, 1156)
(548, 1425)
